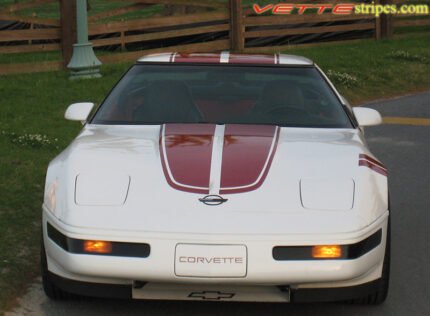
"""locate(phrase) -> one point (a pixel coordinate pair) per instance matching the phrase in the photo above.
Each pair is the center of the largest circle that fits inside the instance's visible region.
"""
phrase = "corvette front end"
(218, 261)
(218, 209)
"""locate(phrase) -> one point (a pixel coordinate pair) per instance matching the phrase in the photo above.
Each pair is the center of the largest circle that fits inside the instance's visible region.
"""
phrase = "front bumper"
(263, 271)
(254, 294)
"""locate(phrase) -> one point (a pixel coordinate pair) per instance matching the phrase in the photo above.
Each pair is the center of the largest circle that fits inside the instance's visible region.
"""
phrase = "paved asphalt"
(405, 150)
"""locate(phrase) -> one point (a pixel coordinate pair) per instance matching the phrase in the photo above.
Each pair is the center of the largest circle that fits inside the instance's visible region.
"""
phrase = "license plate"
(211, 261)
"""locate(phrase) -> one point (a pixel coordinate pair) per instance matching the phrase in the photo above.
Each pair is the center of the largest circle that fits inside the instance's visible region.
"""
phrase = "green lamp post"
(84, 63)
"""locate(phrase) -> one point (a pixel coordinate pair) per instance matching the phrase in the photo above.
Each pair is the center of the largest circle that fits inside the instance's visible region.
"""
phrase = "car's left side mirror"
(79, 111)
(367, 117)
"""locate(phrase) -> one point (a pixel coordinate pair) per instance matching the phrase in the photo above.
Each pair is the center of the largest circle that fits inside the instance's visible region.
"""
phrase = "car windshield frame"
(348, 124)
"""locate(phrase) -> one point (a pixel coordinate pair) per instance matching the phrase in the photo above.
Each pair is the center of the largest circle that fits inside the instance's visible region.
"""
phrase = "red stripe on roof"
(252, 59)
(215, 58)
(198, 58)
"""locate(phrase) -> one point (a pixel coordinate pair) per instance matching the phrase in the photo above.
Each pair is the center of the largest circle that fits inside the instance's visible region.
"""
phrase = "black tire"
(50, 289)
(379, 295)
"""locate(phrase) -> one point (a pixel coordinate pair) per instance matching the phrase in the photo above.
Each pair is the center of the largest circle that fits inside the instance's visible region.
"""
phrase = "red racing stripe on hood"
(247, 156)
(186, 151)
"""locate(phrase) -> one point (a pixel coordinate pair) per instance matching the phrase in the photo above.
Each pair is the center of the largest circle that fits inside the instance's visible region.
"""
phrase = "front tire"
(51, 290)
(379, 295)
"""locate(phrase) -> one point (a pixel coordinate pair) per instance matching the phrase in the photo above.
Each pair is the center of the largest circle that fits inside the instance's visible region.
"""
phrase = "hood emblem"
(213, 200)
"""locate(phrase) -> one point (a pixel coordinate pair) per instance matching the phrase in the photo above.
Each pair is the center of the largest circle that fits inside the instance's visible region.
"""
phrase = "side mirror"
(79, 111)
(367, 117)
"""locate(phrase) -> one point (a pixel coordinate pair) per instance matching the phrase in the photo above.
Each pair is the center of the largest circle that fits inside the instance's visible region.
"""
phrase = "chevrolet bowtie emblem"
(211, 295)
(213, 200)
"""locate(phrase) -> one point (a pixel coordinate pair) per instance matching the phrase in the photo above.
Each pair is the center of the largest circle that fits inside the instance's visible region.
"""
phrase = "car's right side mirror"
(79, 111)
(367, 117)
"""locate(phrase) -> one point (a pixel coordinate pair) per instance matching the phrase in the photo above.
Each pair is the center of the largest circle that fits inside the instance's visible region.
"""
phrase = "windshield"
(284, 96)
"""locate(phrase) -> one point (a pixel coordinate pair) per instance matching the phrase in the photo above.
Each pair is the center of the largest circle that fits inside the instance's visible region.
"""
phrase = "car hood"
(270, 179)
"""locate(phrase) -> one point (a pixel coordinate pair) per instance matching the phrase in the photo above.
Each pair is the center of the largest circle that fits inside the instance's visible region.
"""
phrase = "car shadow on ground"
(94, 306)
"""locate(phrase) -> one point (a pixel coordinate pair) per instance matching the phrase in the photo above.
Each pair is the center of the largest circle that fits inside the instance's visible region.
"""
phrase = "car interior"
(222, 98)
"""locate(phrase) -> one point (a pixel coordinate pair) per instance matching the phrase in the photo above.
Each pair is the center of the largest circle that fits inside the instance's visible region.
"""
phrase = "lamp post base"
(84, 63)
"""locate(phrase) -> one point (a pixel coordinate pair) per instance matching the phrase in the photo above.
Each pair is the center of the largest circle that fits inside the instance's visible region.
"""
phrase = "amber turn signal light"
(327, 252)
(96, 246)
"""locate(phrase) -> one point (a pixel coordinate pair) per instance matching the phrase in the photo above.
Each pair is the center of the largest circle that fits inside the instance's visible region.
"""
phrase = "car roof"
(227, 58)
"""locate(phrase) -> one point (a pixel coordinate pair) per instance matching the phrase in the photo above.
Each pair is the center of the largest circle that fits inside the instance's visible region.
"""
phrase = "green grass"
(52, 10)
(411, 29)
(30, 57)
(35, 104)
(34, 57)
(378, 73)
(138, 14)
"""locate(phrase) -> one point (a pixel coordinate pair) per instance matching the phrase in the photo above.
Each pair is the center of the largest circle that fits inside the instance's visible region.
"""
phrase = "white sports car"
(223, 177)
